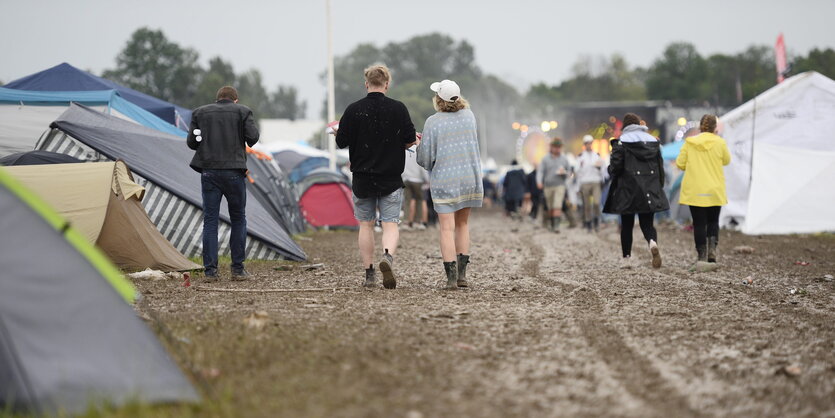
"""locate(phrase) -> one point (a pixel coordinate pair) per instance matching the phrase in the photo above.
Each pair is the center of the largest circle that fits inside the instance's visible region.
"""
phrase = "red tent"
(326, 200)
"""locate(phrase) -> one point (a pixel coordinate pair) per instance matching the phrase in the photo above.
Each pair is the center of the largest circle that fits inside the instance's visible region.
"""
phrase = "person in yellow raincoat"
(703, 188)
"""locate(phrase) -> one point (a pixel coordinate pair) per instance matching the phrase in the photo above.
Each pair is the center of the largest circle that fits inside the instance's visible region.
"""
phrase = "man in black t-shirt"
(375, 130)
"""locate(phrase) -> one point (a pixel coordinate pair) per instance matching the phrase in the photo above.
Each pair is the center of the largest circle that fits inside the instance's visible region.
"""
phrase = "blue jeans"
(216, 184)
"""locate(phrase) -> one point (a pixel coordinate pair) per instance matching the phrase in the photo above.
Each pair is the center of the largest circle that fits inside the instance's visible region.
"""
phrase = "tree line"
(157, 66)
(154, 65)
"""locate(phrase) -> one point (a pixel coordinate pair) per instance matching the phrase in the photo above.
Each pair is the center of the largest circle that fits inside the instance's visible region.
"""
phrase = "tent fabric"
(173, 200)
(36, 158)
(65, 77)
(328, 204)
(275, 192)
(110, 99)
(102, 202)
(669, 152)
(67, 340)
(795, 115)
(801, 202)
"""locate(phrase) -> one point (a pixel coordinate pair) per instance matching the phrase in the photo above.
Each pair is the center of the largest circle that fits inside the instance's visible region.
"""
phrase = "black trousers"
(627, 222)
(705, 223)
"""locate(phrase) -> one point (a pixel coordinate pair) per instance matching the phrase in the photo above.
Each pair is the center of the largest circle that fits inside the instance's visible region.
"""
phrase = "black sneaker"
(240, 275)
(389, 282)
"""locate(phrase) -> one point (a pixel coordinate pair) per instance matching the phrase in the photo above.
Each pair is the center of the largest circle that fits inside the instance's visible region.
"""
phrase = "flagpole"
(331, 104)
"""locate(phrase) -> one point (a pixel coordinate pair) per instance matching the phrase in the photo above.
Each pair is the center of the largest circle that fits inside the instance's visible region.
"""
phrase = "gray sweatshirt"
(546, 173)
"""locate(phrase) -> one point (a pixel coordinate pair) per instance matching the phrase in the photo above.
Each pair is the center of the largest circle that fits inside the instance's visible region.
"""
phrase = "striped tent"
(160, 164)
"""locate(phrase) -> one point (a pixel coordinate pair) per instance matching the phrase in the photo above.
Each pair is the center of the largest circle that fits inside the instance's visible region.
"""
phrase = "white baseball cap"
(587, 139)
(447, 90)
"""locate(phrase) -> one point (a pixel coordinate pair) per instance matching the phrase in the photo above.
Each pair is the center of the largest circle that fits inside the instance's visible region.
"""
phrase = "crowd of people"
(438, 172)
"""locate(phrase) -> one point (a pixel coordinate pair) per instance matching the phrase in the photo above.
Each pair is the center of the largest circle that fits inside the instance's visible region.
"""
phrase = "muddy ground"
(551, 326)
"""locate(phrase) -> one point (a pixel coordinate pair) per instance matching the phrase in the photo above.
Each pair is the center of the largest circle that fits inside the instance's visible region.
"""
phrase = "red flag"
(780, 58)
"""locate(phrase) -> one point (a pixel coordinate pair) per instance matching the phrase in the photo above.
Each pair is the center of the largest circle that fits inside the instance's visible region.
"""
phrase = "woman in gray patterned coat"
(449, 151)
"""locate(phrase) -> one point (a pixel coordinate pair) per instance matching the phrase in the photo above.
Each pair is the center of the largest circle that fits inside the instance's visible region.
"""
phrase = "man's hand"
(333, 131)
(539, 186)
(418, 136)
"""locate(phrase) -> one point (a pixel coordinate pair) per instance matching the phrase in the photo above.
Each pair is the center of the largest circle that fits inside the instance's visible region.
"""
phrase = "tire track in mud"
(634, 371)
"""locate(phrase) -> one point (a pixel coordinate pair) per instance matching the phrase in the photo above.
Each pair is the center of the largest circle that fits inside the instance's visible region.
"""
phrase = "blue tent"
(65, 77)
(110, 98)
(670, 151)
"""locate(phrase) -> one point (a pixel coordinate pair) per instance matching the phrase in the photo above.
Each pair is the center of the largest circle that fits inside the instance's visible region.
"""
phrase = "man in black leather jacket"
(220, 133)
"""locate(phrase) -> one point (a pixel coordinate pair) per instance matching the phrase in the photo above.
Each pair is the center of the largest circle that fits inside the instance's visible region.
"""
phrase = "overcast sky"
(522, 41)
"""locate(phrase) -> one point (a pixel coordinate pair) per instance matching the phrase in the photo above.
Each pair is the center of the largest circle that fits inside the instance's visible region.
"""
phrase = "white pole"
(331, 103)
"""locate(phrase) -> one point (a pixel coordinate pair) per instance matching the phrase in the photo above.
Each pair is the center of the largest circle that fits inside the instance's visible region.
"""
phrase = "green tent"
(68, 335)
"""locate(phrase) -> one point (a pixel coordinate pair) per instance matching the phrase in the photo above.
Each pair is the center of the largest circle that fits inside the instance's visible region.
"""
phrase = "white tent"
(782, 146)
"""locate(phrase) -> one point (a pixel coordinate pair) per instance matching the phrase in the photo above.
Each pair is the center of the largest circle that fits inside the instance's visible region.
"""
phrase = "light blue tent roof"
(670, 151)
(111, 98)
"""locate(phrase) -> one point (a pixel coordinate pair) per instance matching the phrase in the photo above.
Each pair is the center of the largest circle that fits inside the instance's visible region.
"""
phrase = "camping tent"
(103, 203)
(782, 148)
(37, 158)
(24, 115)
(67, 337)
(275, 192)
(160, 164)
(325, 199)
(65, 77)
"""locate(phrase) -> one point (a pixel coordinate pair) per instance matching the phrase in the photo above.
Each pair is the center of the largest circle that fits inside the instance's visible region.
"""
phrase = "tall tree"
(252, 93)
(219, 74)
(156, 66)
(679, 74)
(286, 104)
(421, 60)
(820, 60)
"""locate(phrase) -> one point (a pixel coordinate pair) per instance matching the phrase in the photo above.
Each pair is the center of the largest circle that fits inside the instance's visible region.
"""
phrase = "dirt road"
(550, 327)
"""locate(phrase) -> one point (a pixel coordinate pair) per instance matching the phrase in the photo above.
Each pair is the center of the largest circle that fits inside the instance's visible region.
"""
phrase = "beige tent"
(102, 202)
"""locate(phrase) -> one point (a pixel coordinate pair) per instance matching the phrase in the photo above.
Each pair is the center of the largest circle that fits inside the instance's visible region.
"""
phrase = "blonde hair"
(377, 75)
(442, 105)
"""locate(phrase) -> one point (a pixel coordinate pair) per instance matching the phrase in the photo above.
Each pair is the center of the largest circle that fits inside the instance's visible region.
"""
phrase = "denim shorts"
(365, 209)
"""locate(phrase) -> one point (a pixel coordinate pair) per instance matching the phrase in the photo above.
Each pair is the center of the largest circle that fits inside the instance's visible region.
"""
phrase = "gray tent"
(159, 163)
(68, 339)
(275, 192)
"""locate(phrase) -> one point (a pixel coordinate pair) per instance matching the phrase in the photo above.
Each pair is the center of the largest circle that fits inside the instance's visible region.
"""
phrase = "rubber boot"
(556, 223)
(712, 243)
(463, 260)
(370, 277)
(451, 270)
(596, 224)
(702, 251)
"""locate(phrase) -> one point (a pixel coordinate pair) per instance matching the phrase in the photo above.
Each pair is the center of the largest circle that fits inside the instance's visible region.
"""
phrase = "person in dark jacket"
(219, 134)
(534, 193)
(376, 130)
(637, 185)
(514, 186)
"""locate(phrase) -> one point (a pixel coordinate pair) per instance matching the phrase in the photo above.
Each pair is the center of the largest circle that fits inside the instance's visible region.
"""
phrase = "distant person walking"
(637, 186)
(590, 177)
(450, 153)
(414, 178)
(550, 178)
(376, 130)
(219, 134)
(703, 188)
(514, 187)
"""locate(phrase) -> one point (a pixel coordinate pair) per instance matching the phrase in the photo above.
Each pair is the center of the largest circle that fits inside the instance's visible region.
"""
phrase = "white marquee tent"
(782, 167)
